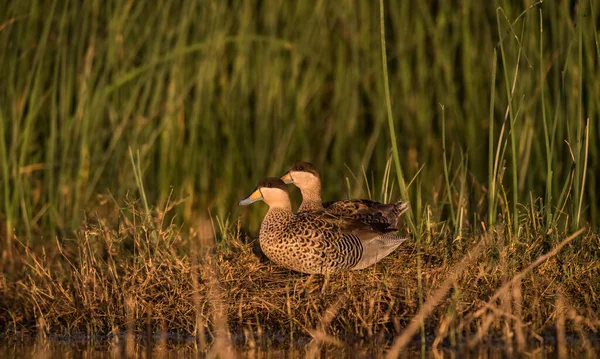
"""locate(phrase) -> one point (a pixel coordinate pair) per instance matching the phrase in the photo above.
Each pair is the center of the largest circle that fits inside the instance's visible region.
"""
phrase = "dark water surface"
(175, 346)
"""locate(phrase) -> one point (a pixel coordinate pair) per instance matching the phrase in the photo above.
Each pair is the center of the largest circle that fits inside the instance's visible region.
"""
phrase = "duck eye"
(300, 168)
(269, 185)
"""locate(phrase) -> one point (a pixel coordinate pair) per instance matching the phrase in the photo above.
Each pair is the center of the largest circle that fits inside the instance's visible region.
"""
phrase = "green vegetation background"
(214, 95)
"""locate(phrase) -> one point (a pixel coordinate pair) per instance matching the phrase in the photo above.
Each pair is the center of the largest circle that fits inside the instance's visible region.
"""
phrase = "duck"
(305, 176)
(316, 242)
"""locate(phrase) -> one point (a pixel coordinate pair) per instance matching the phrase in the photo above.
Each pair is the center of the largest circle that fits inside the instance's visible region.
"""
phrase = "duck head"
(303, 175)
(271, 190)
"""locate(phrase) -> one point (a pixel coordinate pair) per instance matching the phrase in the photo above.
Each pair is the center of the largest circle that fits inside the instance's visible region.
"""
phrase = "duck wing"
(368, 245)
(368, 211)
(347, 224)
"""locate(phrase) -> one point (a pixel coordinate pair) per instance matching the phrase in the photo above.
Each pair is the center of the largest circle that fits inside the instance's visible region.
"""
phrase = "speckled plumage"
(305, 176)
(317, 242)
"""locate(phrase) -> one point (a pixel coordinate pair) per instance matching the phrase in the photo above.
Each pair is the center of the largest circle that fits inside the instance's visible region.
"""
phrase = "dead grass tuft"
(146, 277)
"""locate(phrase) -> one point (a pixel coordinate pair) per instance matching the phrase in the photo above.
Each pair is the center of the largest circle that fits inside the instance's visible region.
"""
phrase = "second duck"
(305, 176)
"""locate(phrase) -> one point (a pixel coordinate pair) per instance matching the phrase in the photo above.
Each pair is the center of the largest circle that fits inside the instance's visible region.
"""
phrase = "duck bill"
(254, 197)
(287, 178)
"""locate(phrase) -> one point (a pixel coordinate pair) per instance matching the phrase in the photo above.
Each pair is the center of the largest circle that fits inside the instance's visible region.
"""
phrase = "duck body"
(316, 242)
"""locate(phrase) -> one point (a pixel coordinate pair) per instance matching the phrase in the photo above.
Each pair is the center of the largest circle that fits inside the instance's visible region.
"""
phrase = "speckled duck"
(317, 242)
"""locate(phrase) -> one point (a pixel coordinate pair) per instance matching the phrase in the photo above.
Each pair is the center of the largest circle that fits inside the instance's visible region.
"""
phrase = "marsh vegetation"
(130, 130)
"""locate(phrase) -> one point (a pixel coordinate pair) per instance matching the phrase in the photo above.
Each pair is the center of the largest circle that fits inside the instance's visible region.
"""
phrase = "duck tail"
(394, 211)
(399, 208)
(393, 240)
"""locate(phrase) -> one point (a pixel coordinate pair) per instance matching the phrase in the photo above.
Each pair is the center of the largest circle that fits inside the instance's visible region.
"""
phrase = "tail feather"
(389, 240)
(378, 248)
(393, 212)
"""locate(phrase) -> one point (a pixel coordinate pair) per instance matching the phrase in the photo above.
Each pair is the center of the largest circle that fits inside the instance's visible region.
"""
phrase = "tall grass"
(483, 115)
(211, 96)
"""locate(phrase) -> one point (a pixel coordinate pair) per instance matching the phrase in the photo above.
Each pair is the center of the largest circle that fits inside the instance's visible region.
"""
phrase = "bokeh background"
(211, 96)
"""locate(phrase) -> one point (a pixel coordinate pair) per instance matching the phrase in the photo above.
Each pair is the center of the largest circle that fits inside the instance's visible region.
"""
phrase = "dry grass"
(192, 99)
(143, 276)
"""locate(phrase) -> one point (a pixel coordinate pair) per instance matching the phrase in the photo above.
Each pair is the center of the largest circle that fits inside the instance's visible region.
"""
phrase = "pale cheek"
(306, 181)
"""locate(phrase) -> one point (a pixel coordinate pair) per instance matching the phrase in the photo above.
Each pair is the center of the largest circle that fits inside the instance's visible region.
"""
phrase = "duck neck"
(311, 198)
(280, 206)
(276, 216)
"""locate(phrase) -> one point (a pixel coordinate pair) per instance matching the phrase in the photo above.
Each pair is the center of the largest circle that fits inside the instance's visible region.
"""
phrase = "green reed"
(212, 96)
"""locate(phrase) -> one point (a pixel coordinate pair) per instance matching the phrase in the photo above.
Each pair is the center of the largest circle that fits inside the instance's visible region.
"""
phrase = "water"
(174, 346)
